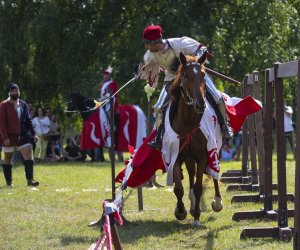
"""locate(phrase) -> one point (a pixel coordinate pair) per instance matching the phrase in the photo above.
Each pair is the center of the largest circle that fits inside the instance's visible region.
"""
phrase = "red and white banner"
(133, 127)
(95, 131)
(132, 131)
(238, 109)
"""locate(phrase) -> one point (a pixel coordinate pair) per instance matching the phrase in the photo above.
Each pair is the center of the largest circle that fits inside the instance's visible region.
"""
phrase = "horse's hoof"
(217, 204)
(196, 223)
(180, 216)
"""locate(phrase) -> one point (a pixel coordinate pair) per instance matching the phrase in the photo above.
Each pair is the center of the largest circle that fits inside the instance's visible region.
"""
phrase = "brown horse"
(188, 91)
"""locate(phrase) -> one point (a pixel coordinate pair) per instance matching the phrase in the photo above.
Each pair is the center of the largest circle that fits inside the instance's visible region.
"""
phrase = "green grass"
(56, 215)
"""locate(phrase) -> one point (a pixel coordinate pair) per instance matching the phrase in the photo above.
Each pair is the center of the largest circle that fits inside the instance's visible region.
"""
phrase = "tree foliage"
(54, 47)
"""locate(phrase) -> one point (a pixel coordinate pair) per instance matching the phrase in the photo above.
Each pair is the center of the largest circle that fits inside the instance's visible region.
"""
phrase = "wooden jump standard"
(250, 183)
(282, 231)
(240, 176)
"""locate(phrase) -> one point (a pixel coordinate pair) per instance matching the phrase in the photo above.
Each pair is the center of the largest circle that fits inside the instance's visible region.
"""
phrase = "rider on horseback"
(163, 54)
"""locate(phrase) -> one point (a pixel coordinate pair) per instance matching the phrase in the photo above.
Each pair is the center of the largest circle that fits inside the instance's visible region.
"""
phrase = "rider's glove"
(149, 91)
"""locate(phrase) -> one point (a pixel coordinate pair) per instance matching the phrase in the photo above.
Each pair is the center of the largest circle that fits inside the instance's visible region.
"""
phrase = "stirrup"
(227, 131)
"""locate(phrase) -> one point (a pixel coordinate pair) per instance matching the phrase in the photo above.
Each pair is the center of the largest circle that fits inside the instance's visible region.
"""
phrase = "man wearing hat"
(16, 133)
(163, 54)
(108, 88)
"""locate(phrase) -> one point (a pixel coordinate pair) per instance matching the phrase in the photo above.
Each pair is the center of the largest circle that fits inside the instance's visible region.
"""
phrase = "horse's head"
(80, 103)
(190, 82)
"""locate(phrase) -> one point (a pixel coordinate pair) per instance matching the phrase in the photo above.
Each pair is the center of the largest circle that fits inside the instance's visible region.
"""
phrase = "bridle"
(188, 99)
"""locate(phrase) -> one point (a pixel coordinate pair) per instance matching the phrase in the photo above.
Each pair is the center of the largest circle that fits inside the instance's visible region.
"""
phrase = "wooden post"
(297, 171)
(281, 150)
(268, 145)
(112, 149)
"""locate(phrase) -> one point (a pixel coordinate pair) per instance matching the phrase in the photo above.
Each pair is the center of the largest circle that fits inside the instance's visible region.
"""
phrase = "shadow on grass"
(70, 240)
(143, 229)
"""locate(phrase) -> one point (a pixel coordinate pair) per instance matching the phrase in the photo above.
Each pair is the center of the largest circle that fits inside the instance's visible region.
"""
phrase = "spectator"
(72, 151)
(288, 127)
(31, 114)
(227, 152)
(237, 141)
(41, 124)
(53, 151)
(84, 153)
(54, 129)
(16, 133)
(48, 112)
(29, 107)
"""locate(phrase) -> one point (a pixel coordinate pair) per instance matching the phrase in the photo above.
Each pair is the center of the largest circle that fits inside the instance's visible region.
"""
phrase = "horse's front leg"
(191, 168)
(217, 203)
(180, 211)
(198, 189)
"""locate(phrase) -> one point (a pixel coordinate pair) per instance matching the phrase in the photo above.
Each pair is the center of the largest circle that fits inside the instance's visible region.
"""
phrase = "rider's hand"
(149, 91)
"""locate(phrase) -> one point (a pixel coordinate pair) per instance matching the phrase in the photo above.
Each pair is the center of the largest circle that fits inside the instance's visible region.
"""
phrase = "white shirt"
(41, 125)
(153, 60)
(288, 123)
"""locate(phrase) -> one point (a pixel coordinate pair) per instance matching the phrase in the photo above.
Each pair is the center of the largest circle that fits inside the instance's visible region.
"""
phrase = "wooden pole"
(297, 171)
(221, 76)
(112, 148)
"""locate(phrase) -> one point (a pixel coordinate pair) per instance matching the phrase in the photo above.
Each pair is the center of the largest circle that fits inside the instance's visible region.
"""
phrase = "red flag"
(238, 109)
(146, 161)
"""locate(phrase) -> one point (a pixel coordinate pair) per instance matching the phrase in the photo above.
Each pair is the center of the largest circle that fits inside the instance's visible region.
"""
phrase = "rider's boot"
(227, 130)
(156, 143)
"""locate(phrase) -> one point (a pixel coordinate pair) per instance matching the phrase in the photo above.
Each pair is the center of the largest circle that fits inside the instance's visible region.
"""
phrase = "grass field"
(69, 197)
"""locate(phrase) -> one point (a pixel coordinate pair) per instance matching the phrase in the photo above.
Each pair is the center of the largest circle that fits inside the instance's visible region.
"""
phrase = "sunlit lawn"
(57, 214)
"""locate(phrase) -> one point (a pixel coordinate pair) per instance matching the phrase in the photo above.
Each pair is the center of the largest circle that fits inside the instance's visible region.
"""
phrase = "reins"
(188, 137)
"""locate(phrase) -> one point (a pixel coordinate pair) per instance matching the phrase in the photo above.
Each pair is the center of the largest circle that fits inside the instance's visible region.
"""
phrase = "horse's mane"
(174, 90)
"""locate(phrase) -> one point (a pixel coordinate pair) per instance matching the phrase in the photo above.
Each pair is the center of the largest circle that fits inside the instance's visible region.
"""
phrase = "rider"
(163, 54)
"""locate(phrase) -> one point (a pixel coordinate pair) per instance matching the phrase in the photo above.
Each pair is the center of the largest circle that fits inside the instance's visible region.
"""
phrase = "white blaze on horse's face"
(195, 70)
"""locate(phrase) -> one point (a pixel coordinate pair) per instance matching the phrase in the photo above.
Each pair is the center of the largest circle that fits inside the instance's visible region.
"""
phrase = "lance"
(107, 100)
(221, 76)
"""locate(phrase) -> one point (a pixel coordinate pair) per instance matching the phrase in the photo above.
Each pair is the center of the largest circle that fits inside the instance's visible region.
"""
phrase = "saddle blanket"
(145, 161)
(212, 131)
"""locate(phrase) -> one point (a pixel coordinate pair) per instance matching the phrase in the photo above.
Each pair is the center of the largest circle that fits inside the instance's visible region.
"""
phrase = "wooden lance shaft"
(221, 76)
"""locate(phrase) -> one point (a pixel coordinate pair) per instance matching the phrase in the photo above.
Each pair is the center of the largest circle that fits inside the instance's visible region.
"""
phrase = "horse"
(132, 129)
(188, 93)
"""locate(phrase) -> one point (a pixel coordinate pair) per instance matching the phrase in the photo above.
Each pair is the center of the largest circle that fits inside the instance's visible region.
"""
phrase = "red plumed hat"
(152, 34)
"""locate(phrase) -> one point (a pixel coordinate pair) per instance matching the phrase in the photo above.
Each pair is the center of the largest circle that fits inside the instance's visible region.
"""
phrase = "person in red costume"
(16, 133)
(107, 89)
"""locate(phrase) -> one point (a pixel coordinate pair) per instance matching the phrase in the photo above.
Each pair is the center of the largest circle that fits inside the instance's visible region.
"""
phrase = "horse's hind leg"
(217, 203)
(180, 211)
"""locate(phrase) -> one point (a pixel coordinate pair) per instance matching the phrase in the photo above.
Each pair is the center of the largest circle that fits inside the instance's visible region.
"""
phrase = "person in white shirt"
(41, 125)
(288, 127)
